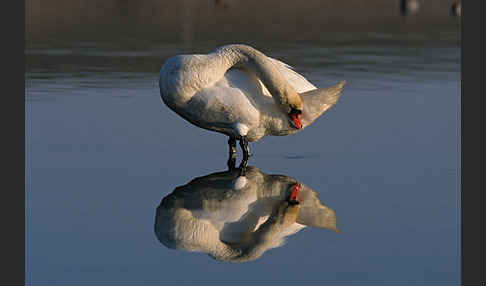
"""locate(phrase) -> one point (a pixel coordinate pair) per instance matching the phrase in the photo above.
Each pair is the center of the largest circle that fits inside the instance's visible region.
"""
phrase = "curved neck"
(250, 59)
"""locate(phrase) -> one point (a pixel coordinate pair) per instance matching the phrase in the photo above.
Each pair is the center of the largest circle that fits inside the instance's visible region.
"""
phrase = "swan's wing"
(238, 97)
(254, 86)
(250, 84)
(296, 80)
(227, 102)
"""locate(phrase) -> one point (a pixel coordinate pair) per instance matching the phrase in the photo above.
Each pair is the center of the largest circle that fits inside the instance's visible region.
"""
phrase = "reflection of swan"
(234, 218)
(238, 91)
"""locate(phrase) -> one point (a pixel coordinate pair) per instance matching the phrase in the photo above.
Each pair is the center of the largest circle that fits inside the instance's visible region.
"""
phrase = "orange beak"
(296, 120)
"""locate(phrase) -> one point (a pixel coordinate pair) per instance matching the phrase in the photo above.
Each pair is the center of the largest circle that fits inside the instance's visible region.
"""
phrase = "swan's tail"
(319, 100)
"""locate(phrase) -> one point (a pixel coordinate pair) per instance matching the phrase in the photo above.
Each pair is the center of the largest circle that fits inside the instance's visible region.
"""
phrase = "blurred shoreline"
(189, 21)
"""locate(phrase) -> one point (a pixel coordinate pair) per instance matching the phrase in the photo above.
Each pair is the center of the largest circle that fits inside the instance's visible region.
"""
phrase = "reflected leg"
(232, 153)
(246, 155)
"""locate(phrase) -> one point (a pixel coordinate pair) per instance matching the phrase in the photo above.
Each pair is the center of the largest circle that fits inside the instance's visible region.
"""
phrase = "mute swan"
(209, 215)
(238, 91)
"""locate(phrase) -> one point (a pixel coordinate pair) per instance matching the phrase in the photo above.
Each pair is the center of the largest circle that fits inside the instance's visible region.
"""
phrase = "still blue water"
(102, 150)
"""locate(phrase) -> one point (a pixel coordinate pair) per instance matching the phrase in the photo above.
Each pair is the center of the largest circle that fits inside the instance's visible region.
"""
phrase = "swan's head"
(294, 109)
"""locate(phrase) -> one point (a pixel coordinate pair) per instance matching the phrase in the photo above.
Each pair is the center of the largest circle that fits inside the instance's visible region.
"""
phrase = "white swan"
(238, 91)
(209, 215)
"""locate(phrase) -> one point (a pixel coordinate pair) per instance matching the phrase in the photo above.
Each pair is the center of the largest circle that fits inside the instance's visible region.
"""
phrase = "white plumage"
(235, 218)
(238, 91)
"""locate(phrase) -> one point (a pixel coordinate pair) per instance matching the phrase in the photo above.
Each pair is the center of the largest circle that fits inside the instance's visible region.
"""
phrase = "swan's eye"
(295, 111)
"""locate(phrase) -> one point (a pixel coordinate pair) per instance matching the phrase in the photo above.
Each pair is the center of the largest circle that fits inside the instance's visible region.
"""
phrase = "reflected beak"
(294, 193)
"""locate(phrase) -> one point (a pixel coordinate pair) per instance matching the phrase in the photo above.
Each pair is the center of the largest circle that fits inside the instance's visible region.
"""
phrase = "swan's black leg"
(246, 155)
(232, 153)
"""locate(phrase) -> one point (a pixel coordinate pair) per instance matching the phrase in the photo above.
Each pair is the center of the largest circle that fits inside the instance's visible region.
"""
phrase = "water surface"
(102, 151)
